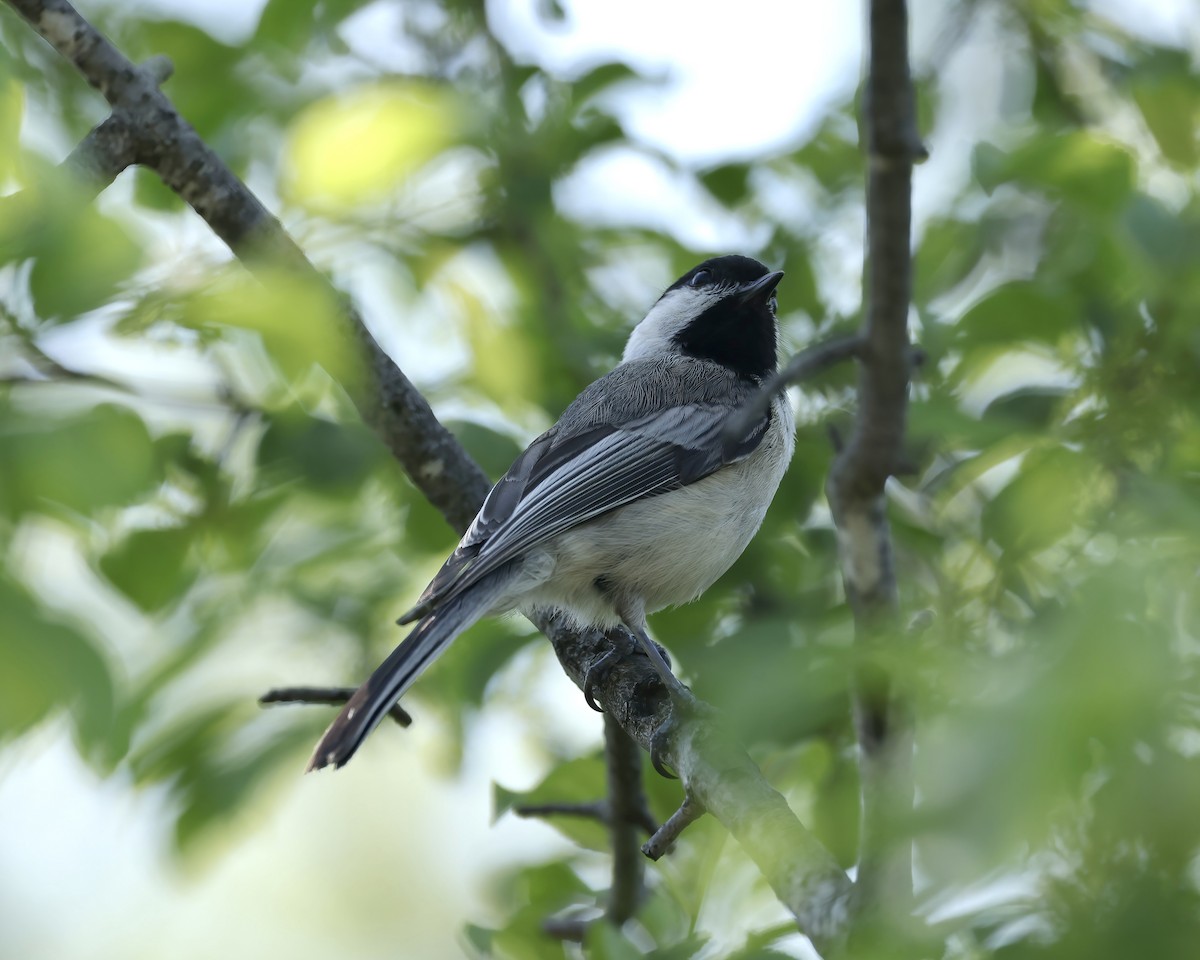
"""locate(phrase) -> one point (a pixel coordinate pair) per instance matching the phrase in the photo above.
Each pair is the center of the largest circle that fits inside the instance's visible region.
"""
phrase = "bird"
(636, 499)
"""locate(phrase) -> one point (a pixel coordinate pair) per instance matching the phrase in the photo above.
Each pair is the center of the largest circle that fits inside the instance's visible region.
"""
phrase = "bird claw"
(683, 701)
(658, 743)
(588, 683)
(626, 646)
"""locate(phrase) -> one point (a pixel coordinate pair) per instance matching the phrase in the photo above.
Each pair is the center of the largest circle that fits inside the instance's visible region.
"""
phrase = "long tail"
(395, 675)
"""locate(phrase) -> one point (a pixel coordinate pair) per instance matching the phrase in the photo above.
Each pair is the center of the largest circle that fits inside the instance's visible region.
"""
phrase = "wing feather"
(613, 446)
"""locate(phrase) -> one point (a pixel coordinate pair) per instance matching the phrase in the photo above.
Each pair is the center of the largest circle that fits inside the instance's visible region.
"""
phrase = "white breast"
(669, 549)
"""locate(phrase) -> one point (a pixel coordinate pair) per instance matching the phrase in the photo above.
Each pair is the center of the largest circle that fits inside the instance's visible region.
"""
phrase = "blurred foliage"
(1052, 526)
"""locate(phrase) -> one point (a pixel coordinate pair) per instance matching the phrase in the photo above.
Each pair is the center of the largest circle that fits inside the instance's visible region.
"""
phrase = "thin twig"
(52, 371)
(688, 813)
(804, 365)
(326, 696)
(569, 929)
(596, 810)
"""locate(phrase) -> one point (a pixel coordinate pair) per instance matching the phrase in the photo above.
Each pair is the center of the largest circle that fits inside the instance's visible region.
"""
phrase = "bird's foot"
(624, 646)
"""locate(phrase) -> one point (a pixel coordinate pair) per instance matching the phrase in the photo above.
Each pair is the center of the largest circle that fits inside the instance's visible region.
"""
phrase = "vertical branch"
(627, 819)
(872, 454)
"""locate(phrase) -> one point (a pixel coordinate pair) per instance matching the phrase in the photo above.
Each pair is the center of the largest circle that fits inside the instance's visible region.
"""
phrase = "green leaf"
(688, 948)
(150, 566)
(536, 893)
(286, 24)
(728, 183)
(1029, 408)
(662, 916)
(1166, 90)
(1080, 167)
(783, 692)
(80, 257)
(1020, 311)
(463, 672)
(195, 53)
(1051, 492)
(552, 12)
(218, 788)
(356, 149)
(599, 79)
(49, 666)
(142, 693)
(150, 192)
(83, 267)
(299, 319)
(574, 781)
(180, 744)
(800, 290)
(479, 939)
(989, 164)
(97, 459)
(12, 109)
(833, 156)
(603, 941)
(759, 953)
(290, 25)
(950, 249)
(1170, 242)
(835, 810)
(332, 458)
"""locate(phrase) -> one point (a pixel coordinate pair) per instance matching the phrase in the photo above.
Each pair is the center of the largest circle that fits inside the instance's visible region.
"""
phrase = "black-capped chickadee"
(633, 501)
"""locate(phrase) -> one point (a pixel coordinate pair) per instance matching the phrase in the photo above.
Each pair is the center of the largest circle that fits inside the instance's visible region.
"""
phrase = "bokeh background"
(190, 511)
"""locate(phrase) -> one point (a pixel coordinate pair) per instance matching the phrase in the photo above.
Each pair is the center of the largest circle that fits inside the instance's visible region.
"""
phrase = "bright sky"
(731, 85)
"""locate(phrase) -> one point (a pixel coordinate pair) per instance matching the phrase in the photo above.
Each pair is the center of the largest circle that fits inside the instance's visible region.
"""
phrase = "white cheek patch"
(655, 335)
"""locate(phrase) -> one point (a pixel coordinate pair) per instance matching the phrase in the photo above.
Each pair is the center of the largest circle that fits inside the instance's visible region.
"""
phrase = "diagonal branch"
(808, 363)
(719, 775)
(875, 451)
(665, 836)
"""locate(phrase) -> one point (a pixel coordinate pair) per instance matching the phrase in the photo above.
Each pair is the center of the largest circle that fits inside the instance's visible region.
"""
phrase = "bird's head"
(722, 310)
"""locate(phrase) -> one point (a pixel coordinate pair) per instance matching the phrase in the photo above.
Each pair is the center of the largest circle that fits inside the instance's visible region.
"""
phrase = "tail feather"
(371, 702)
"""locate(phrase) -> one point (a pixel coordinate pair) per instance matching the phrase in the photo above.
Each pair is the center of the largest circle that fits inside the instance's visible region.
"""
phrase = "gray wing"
(633, 434)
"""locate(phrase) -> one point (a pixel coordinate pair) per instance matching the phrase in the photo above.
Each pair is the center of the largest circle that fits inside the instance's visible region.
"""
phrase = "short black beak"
(760, 290)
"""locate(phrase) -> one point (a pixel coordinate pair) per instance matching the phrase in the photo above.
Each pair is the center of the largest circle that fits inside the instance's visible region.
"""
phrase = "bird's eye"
(700, 278)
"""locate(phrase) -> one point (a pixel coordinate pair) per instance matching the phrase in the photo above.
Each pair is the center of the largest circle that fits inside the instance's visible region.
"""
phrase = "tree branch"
(596, 810)
(875, 451)
(804, 365)
(629, 813)
(625, 812)
(330, 696)
(724, 781)
(665, 836)
(801, 871)
(51, 371)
